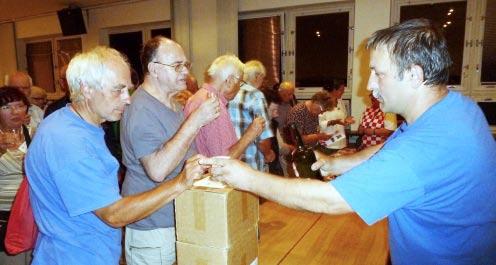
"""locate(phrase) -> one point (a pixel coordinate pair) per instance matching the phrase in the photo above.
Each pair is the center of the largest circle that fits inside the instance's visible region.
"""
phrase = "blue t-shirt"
(72, 173)
(436, 181)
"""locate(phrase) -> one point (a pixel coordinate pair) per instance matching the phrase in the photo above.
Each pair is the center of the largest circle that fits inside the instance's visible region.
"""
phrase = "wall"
(98, 19)
(254, 5)
(368, 19)
(8, 62)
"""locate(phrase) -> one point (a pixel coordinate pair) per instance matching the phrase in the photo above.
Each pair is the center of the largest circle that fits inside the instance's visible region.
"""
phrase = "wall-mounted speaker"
(71, 21)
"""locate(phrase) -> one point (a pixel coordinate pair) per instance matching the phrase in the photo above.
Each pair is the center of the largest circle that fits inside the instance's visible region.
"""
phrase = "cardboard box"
(214, 217)
(242, 252)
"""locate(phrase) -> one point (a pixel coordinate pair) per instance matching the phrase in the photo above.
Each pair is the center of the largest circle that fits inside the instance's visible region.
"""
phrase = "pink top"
(218, 136)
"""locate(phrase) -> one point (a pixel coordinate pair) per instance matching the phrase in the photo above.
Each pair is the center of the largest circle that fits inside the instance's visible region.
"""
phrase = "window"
(488, 42)
(310, 46)
(45, 57)
(129, 41)
(470, 29)
(260, 39)
(450, 18)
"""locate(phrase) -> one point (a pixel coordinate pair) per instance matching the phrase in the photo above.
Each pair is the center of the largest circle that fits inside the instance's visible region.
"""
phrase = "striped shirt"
(248, 104)
(10, 177)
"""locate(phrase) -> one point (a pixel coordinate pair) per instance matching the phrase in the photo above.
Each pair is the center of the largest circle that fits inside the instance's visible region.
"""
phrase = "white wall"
(370, 15)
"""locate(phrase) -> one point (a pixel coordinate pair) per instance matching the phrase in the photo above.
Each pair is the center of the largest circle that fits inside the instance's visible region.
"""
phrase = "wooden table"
(295, 237)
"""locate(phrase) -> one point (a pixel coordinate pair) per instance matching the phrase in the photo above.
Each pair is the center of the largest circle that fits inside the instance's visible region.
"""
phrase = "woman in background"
(375, 126)
(14, 138)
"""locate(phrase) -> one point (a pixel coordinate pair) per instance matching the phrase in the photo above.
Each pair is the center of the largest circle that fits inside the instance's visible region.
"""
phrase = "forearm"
(236, 150)
(163, 161)
(304, 194)
(136, 207)
(311, 138)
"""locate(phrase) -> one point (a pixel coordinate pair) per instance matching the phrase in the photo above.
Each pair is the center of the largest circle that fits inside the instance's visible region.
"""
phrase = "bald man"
(24, 82)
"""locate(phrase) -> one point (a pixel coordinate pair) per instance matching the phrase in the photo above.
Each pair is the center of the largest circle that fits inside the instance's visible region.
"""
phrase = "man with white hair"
(24, 82)
(218, 137)
(249, 104)
(73, 177)
(156, 140)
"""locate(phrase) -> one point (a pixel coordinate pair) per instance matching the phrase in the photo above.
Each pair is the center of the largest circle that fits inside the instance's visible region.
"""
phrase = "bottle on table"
(303, 157)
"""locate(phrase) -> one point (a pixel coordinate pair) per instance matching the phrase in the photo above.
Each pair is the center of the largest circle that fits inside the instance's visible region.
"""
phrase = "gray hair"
(225, 65)
(416, 42)
(252, 69)
(92, 69)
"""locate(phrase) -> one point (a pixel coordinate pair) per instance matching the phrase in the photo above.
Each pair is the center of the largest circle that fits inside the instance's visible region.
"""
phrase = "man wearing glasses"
(73, 177)
(218, 137)
(156, 140)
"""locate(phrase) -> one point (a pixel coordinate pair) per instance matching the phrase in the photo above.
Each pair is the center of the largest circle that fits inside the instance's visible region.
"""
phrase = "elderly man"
(156, 140)
(434, 178)
(38, 97)
(219, 137)
(24, 82)
(73, 177)
(249, 104)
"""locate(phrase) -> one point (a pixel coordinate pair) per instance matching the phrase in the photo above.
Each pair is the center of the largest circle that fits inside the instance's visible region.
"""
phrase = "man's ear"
(87, 91)
(152, 69)
(416, 75)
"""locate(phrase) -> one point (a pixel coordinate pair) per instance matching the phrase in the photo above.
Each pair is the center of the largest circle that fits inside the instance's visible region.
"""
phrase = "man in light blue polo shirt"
(73, 177)
(434, 178)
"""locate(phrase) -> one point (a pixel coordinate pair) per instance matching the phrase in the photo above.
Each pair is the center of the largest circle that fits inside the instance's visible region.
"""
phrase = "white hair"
(252, 69)
(92, 69)
(225, 65)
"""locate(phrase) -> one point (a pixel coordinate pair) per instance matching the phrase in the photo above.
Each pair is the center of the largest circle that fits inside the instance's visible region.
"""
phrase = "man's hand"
(231, 171)
(208, 111)
(324, 164)
(193, 170)
(256, 127)
(349, 120)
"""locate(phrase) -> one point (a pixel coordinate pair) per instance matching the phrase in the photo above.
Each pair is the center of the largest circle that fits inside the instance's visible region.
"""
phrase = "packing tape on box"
(199, 210)
(201, 262)
(244, 205)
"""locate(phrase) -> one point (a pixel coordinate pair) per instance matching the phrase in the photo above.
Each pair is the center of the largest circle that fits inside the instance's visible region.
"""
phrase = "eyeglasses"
(239, 80)
(177, 66)
(10, 108)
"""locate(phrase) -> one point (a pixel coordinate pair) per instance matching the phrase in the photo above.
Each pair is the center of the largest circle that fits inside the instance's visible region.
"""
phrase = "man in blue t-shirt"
(73, 177)
(434, 178)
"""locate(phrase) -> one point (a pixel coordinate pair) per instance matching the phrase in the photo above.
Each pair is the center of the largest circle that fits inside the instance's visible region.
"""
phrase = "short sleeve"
(143, 136)
(379, 186)
(87, 185)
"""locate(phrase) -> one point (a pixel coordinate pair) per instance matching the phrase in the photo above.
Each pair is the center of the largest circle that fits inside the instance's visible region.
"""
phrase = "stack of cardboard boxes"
(216, 226)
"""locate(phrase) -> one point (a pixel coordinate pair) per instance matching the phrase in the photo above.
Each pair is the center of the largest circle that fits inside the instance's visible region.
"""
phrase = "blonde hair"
(92, 69)
(225, 65)
(252, 69)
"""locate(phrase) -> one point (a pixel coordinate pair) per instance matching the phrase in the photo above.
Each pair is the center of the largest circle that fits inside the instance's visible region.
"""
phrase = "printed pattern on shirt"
(372, 118)
(249, 103)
